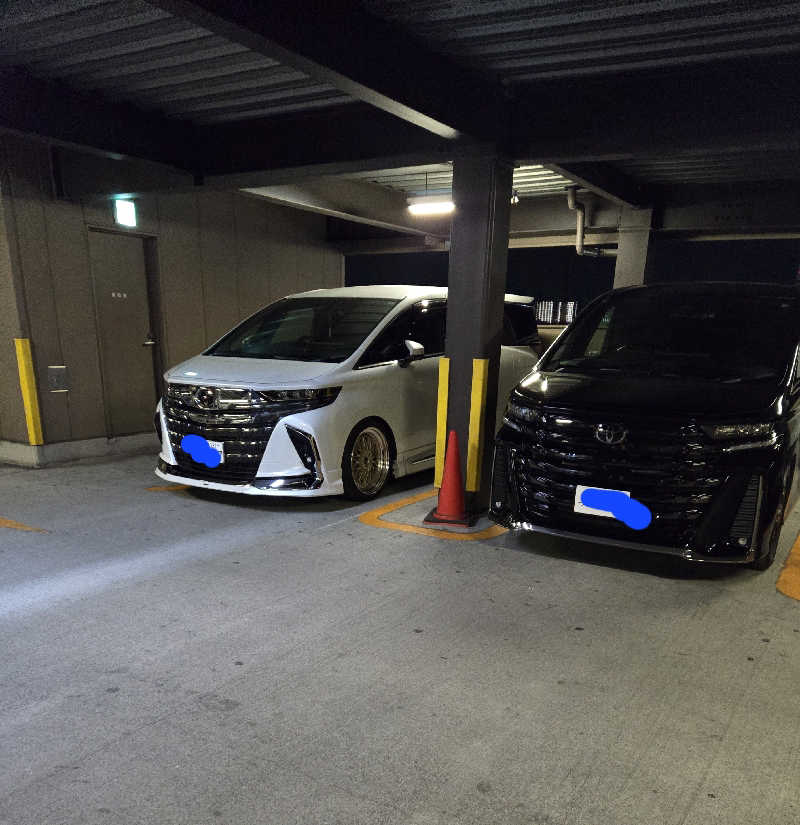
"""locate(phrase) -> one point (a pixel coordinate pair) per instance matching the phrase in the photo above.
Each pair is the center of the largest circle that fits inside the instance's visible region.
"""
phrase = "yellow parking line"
(373, 519)
(167, 488)
(789, 579)
(15, 525)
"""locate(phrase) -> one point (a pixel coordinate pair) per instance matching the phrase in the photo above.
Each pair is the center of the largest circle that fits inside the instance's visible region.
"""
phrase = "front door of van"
(409, 392)
(124, 331)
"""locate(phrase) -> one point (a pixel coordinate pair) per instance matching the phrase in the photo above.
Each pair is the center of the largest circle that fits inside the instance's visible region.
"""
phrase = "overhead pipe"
(580, 211)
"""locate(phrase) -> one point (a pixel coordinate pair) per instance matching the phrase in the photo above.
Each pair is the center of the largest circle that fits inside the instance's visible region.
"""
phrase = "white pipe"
(580, 216)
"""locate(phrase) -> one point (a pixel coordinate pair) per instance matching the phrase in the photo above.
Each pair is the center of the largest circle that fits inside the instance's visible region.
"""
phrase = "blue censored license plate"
(580, 507)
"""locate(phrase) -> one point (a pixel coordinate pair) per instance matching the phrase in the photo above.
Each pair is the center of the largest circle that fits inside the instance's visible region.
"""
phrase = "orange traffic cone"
(451, 508)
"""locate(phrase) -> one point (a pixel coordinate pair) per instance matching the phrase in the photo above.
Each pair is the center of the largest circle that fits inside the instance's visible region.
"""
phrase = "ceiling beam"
(357, 201)
(390, 246)
(268, 152)
(53, 110)
(370, 59)
(347, 135)
(604, 180)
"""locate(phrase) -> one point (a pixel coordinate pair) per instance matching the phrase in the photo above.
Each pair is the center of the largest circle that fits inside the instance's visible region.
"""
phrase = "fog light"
(306, 449)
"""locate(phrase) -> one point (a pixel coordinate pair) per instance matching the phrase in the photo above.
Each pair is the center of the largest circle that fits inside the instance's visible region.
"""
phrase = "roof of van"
(397, 291)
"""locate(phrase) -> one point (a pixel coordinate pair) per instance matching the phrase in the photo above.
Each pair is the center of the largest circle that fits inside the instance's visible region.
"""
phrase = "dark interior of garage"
(308, 515)
(557, 272)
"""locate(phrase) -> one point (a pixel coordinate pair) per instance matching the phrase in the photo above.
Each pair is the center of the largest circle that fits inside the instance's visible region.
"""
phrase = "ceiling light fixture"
(434, 203)
(431, 205)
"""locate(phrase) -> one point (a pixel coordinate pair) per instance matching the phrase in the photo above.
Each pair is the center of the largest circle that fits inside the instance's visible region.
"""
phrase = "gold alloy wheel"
(369, 460)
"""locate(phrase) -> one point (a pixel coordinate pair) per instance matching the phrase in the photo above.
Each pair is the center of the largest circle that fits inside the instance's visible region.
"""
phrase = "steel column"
(476, 283)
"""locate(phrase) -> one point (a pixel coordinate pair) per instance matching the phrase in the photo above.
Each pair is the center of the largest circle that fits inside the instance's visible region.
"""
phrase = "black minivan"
(684, 398)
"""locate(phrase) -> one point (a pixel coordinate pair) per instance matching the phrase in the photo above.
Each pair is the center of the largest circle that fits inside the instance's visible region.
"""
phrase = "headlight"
(726, 432)
(234, 398)
(311, 397)
(521, 413)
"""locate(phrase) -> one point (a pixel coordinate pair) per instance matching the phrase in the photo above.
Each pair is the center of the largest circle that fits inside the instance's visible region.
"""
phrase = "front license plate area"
(219, 446)
(591, 511)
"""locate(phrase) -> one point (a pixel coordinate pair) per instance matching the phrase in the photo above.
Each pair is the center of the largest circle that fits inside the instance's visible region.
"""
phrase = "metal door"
(124, 331)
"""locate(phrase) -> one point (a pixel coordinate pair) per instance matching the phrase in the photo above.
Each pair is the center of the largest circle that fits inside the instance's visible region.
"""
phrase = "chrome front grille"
(242, 419)
(244, 438)
(666, 466)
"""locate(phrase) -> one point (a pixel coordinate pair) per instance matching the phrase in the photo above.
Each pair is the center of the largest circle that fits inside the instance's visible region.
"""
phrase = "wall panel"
(72, 289)
(218, 261)
(254, 255)
(12, 413)
(181, 279)
(30, 188)
(219, 257)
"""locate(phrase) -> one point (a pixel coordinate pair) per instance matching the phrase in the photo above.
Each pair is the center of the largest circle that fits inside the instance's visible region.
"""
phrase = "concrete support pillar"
(634, 247)
(476, 284)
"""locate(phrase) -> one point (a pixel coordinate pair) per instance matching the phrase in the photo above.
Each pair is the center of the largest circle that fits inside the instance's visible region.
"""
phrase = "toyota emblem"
(206, 397)
(610, 433)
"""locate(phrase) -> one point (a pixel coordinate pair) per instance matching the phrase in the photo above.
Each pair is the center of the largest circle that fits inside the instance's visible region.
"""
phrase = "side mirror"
(415, 352)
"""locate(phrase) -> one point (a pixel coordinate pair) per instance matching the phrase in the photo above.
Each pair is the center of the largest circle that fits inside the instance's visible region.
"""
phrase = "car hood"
(651, 395)
(249, 372)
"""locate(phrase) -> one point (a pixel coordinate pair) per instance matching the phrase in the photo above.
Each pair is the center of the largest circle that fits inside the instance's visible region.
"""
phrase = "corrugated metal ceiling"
(529, 181)
(714, 168)
(133, 51)
(524, 40)
(129, 50)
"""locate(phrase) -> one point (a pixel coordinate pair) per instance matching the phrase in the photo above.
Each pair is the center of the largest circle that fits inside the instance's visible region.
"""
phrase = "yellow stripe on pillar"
(27, 383)
(441, 420)
(477, 407)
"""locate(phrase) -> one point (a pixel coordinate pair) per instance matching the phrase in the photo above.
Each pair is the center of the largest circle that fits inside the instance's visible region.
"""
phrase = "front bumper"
(687, 553)
(300, 486)
(298, 460)
(726, 529)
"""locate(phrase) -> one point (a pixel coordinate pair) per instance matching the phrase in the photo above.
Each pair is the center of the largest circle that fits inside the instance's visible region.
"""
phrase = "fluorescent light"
(439, 206)
(125, 213)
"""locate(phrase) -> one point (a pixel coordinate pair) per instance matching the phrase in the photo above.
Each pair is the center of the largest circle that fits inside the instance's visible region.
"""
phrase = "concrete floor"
(174, 657)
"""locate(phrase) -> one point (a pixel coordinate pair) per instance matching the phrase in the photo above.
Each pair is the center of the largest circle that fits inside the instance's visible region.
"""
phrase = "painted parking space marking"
(374, 518)
(16, 525)
(167, 488)
(789, 579)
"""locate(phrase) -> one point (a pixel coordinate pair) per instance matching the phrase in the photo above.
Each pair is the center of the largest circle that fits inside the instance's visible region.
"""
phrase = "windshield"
(305, 329)
(716, 336)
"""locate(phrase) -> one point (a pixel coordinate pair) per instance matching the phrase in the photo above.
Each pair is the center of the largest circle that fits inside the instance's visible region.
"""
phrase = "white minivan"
(322, 393)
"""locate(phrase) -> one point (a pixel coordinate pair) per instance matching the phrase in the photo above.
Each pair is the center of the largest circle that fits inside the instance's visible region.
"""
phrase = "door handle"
(150, 342)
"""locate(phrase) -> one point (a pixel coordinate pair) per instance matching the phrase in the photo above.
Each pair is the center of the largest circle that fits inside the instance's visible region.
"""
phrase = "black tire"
(367, 460)
(769, 545)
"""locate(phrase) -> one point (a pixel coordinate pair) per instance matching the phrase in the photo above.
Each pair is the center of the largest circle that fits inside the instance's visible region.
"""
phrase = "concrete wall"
(12, 414)
(218, 256)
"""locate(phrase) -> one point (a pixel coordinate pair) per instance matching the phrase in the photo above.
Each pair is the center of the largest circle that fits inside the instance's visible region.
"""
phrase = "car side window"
(389, 346)
(597, 342)
(429, 326)
(423, 323)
